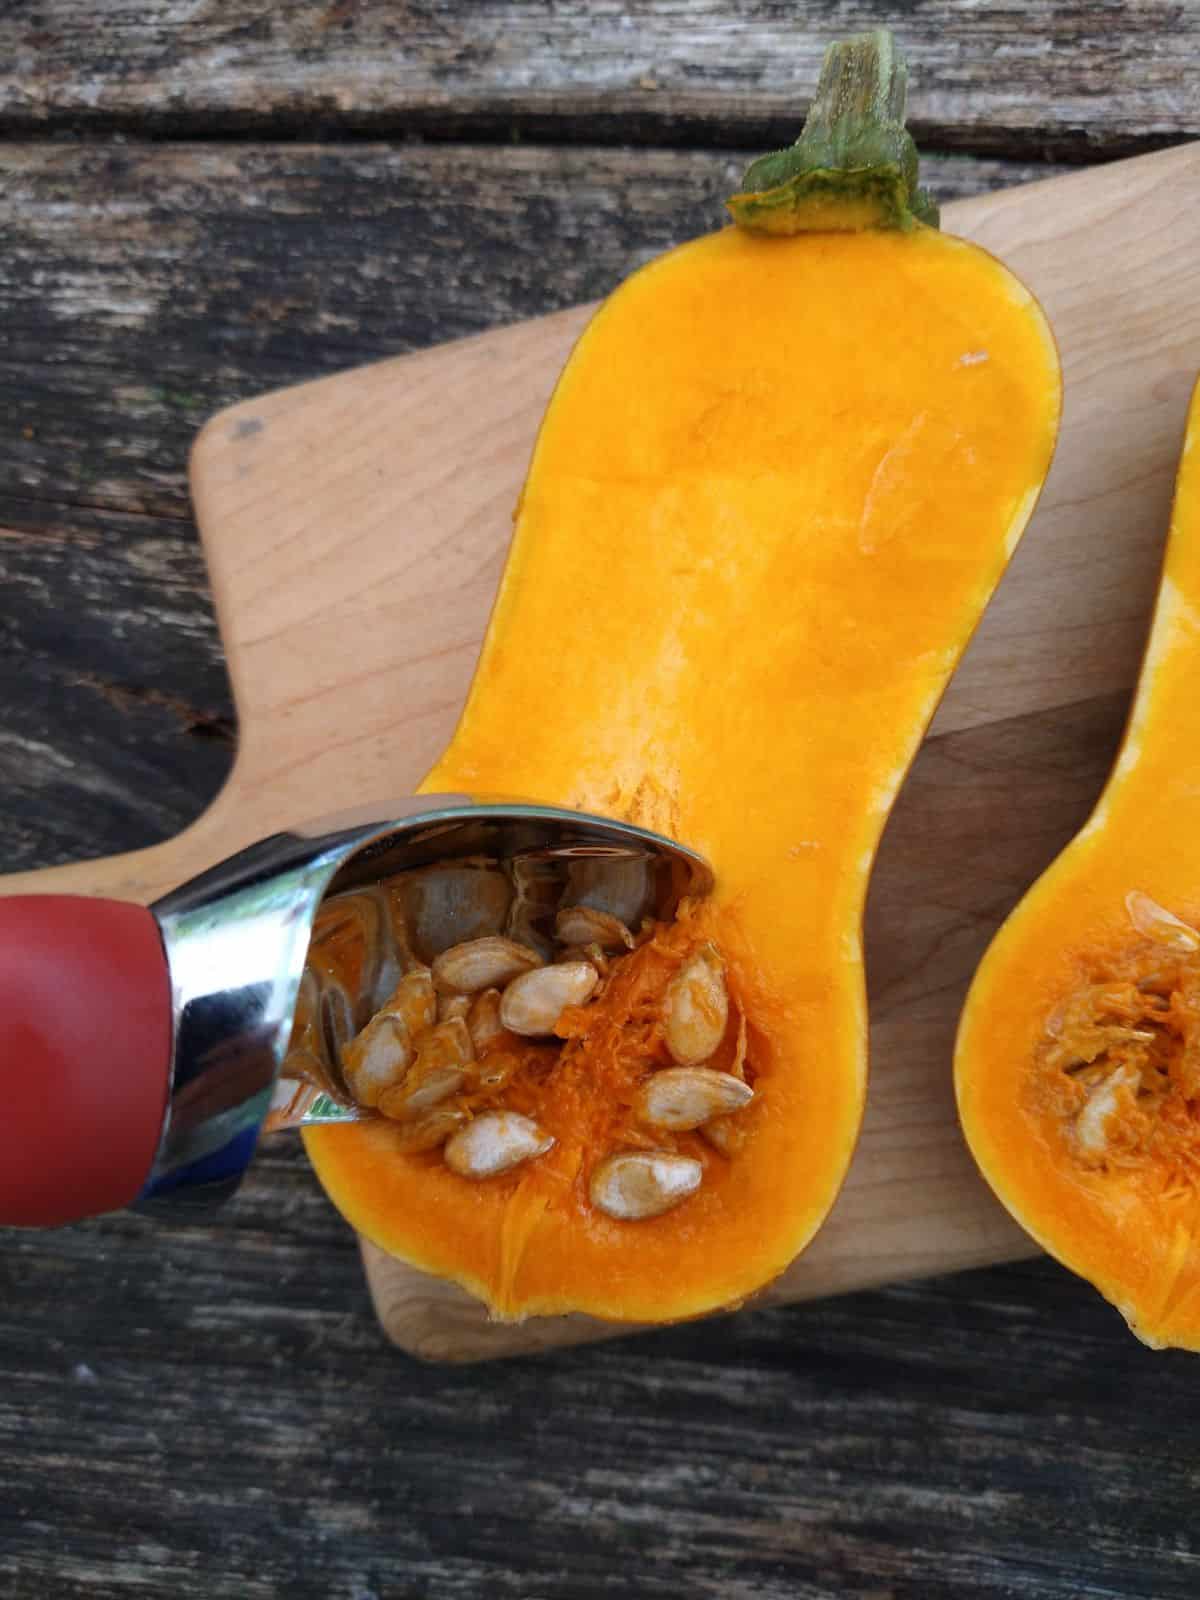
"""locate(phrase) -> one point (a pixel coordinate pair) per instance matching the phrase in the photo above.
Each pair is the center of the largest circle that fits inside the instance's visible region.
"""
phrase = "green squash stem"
(854, 165)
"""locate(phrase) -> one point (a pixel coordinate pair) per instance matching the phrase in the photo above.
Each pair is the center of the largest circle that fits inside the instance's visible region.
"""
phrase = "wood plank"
(217, 1415)
(339, 509)
(1074, 80)
(147, 286)
(116, 726)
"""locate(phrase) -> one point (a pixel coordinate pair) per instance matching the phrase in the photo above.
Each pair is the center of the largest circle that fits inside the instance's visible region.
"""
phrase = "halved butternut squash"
(1078, 1056)
(777, 482)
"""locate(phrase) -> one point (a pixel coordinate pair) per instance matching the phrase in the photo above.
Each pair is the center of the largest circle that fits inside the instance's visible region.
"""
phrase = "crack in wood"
(603, 127)
(198, 723)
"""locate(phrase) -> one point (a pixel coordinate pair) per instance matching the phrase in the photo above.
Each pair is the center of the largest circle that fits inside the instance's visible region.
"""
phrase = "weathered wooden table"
(201, 203)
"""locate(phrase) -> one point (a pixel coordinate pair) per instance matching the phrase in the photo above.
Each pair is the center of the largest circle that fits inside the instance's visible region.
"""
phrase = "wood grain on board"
(1074, 79)
(353, 558)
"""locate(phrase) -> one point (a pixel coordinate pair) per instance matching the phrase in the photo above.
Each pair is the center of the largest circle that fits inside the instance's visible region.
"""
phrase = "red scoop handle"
(85, 1055)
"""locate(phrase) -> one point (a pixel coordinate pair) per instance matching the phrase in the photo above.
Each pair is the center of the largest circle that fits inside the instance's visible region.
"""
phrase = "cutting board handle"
(85, 1055)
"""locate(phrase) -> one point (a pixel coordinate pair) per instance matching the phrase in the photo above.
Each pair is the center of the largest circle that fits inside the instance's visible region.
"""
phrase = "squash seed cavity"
(1119, 1059)
(567, 1027)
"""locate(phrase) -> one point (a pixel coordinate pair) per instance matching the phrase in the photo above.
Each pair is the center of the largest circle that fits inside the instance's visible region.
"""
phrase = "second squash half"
(1078, 1059)
(776, 485)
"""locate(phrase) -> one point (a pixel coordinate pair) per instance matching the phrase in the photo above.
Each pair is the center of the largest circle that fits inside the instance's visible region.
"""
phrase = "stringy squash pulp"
(777, 482)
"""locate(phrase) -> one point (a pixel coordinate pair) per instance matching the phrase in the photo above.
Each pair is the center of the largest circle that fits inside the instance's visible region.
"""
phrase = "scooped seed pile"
(567, 1015)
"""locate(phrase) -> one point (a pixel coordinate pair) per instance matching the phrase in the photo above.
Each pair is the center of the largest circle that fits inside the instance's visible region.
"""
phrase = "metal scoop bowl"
(161, 1106)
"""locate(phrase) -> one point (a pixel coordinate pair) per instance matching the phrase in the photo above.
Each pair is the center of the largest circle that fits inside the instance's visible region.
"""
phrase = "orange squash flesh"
(776, 485)
(1123, 1213)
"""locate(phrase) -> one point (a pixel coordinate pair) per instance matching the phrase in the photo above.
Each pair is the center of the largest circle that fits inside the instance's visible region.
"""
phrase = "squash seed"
(738, 1066)
(726, 1134)
(446, 1044)
(378, 1059)
(586, 952)
(697, 1008)
(483, 1019)
(495, 1142)
(1156, 922)
(585, 925)
(621, 886)
(636, 1184)
(427, 1131)
(454, 902)
(414, 1001)
(495, 1070)
(450, 1006)
(533, 1003)
(487, 963)
(443, 1054)
(682, 1098)
(420, 1091)
(1091, 1125)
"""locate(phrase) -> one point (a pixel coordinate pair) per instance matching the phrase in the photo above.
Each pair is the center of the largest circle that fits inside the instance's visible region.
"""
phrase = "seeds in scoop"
(378, 1059)
(636, 1184)
(697, 1008)
(533, 1003)
(483, 1019)
(487, 963)
(585, 925)
(682, 1098)
(495, 1142)
(444, 1032)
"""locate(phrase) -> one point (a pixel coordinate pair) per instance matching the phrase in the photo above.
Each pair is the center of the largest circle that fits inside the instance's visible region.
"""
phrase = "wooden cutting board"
(355, 530)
